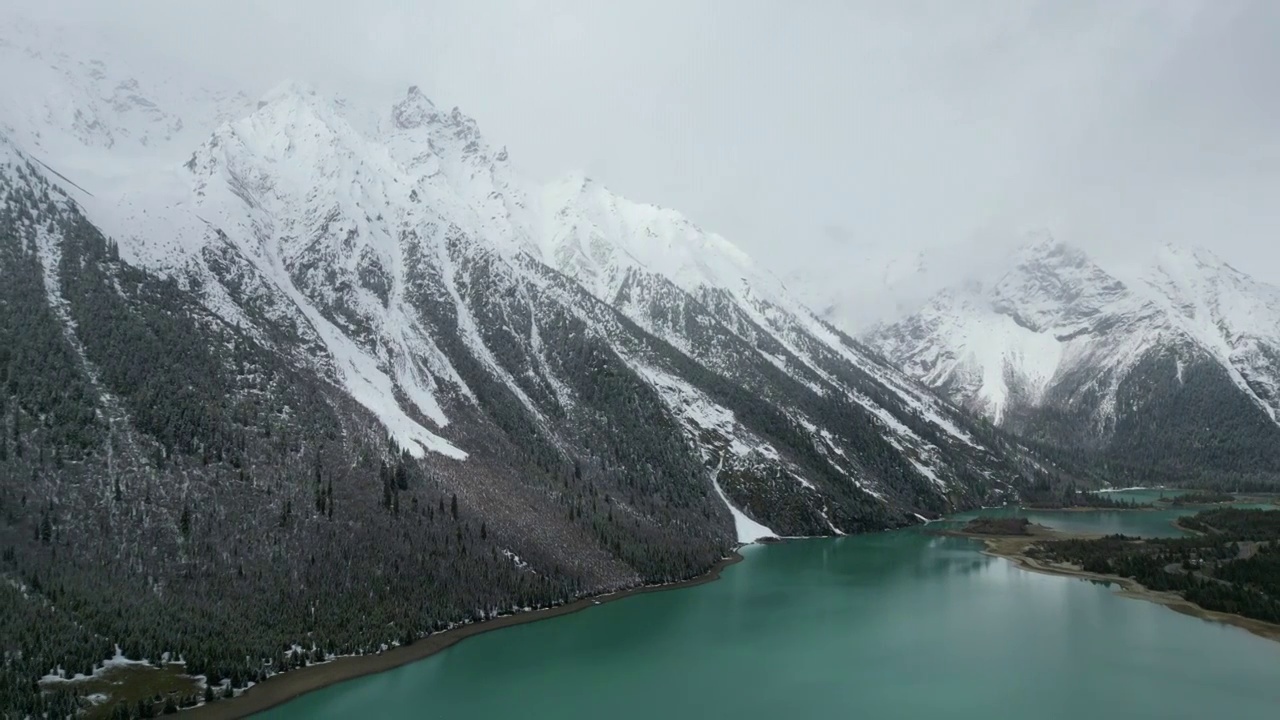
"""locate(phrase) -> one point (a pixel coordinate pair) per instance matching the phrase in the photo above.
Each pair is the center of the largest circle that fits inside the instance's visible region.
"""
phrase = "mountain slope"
(707, 299)
(159, 436)
(1172, 370)
(337, 367)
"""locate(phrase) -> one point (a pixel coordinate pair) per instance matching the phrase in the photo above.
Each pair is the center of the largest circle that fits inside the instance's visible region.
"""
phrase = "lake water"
(892, 625)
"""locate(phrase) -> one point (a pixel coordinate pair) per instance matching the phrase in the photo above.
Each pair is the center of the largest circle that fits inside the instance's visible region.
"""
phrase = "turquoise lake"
(893, 625)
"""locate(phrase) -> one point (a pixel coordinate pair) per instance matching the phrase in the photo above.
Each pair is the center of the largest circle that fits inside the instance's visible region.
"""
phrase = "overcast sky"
(807, 129)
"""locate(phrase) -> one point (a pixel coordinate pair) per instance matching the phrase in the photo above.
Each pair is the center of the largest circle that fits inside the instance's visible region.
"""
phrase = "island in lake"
(1227, 570)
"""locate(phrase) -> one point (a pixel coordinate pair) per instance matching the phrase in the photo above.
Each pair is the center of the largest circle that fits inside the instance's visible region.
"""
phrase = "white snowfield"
(748, 530)
(1054, 314)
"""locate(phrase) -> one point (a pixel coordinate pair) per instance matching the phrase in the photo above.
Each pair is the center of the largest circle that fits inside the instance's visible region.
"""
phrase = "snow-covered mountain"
(1178, 355)
(353, 332)
(707, 299)
(381, 237)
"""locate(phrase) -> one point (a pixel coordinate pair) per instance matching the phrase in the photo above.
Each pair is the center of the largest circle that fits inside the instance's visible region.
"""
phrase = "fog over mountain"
(325, 328)
(830, 140)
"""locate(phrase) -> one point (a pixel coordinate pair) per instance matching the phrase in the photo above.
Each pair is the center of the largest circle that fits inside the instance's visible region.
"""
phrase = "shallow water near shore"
(893, 625)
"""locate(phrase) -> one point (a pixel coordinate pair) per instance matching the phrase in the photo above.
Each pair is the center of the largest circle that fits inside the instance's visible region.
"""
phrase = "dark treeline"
(1003, 526)
(1191, 424)
(1203, 497)
(1186, 425)
(1051, 496)
(1183, 423)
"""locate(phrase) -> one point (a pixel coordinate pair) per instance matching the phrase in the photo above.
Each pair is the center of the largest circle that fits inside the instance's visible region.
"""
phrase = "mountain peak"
(461, 119)
(599, 236)
(1060, 335)
(415, 110)
(419, 130)
(1042, 247)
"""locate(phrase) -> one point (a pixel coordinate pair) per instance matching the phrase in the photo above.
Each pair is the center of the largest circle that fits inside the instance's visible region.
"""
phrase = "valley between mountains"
(294, 376)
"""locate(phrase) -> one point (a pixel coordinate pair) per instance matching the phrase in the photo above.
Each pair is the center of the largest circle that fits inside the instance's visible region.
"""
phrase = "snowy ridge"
(616, 248)
(1057, 329)
(1234, 316)
(257, 179)
(596, 237)
(391, 250)
(701, 416)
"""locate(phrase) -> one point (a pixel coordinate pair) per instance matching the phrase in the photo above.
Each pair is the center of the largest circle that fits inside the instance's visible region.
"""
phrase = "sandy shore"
(1014, 548)
(286, 686)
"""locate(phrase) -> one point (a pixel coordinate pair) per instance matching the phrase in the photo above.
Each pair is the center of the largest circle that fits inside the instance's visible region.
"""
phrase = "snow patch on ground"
(515, 560)
(366, 383)
(58, 675)
(928, 472)
(697, 410)
(748, 530)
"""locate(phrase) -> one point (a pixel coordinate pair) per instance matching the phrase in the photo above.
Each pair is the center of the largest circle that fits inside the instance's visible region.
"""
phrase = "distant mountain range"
(1172, 372)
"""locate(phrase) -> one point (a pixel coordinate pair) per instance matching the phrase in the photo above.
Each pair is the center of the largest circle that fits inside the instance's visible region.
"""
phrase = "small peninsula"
(1227, 569)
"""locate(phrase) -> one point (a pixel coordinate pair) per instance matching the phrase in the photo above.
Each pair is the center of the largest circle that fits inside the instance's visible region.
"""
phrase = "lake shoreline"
(286, 686)
(1089, 508)
(283, 687)
(1013, 548)
(1177, 522)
